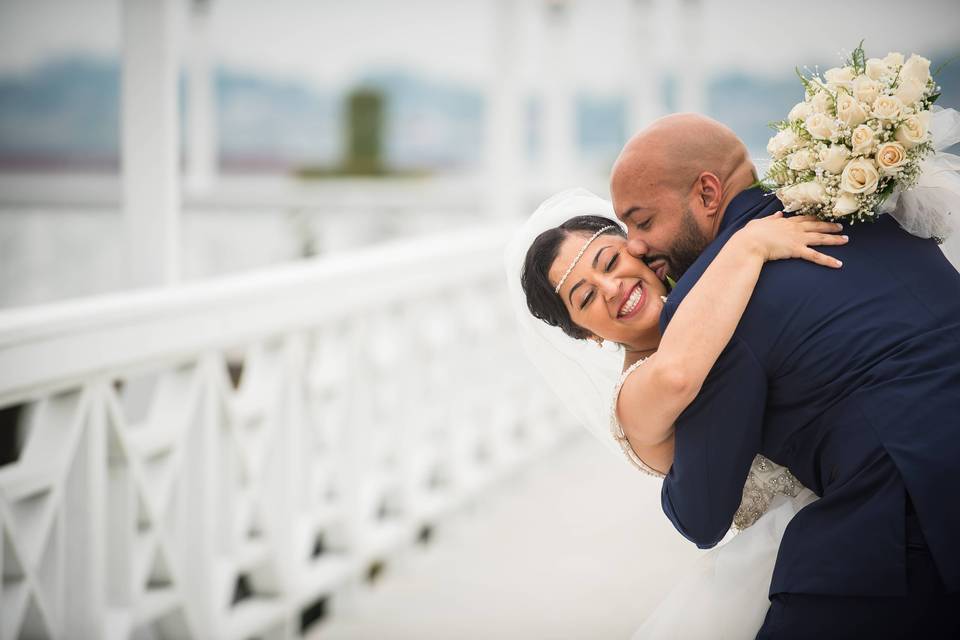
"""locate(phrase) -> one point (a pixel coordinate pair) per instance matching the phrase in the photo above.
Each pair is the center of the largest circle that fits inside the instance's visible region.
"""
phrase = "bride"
(570, 269)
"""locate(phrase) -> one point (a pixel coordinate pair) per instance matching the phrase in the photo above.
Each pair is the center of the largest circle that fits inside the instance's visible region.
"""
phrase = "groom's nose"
(637, 247)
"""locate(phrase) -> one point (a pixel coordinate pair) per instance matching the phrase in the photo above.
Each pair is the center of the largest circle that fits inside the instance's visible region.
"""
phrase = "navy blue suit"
(851, 379)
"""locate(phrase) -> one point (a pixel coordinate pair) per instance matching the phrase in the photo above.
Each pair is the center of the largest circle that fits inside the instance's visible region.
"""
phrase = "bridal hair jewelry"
(583, 250)
(581, 375)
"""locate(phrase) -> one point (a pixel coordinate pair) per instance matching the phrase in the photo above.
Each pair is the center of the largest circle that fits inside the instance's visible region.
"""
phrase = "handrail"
(52, 343)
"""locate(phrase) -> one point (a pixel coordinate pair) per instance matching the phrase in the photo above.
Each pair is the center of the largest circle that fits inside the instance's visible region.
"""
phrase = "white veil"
(931, 207)
(582, 374)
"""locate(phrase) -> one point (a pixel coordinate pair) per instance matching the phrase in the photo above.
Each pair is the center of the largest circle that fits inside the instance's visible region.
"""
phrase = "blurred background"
(257, 373)
(309, 127)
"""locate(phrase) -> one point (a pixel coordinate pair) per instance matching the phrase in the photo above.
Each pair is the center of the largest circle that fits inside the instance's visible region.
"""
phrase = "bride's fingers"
(812, 255)
(820, 226)
(813, 239)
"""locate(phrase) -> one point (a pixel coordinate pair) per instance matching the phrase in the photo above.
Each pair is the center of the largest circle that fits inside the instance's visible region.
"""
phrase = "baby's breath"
(826, 197)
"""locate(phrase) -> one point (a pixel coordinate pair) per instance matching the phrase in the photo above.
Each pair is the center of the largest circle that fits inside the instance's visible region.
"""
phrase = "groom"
(850, 378)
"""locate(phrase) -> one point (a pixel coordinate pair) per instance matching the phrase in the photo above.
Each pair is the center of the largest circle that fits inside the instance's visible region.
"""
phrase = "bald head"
(675, 149)
(671, 185)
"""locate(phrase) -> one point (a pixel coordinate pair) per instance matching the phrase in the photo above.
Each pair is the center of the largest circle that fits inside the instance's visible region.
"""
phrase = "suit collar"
(744, 206)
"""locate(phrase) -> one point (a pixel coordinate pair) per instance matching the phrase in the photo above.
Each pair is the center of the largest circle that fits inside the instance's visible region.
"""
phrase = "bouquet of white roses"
(860, 133)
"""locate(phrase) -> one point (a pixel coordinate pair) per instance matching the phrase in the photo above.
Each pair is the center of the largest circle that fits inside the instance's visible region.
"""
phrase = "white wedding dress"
(725, 594)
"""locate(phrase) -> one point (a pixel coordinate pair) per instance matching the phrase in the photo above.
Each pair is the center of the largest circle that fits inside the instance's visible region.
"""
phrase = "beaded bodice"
(765, 480)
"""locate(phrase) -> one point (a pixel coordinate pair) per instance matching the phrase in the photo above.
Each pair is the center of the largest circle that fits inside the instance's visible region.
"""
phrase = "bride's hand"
(778, 238)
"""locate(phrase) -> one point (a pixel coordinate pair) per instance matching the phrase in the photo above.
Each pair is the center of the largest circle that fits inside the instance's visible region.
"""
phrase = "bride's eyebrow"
(572, 289)
(596, 258)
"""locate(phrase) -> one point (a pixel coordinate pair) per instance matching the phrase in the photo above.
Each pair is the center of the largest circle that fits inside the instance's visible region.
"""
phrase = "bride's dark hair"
(543, 303)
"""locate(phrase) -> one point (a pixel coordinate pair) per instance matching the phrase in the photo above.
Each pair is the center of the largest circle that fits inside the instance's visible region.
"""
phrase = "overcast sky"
(328, 42)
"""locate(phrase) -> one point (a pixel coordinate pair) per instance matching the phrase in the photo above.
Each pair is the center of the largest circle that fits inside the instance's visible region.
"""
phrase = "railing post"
(560, 117)
(506, 142)
(202, 473)
(201, 102)
(691, 76)
(150, 141)
(85, 514)
(642, 69)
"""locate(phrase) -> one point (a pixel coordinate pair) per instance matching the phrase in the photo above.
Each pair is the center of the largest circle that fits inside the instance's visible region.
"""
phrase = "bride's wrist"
(747, 244)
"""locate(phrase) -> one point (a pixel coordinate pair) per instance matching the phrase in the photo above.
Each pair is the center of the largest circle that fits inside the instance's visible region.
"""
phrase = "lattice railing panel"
(217, 461)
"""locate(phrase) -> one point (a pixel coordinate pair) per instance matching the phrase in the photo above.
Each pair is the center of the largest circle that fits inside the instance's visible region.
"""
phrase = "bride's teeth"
(631, 301)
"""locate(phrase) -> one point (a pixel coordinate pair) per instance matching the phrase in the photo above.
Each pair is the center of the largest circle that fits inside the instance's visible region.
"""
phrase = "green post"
(364, 149)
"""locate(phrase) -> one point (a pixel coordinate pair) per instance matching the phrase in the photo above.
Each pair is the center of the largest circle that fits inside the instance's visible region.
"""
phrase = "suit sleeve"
(717, 437)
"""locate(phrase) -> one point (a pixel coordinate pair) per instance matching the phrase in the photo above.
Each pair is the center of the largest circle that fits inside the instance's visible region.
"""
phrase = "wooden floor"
(575, 547)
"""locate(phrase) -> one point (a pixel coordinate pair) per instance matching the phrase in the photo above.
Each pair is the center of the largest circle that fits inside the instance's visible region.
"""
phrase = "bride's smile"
(634, 301)
(607, 291)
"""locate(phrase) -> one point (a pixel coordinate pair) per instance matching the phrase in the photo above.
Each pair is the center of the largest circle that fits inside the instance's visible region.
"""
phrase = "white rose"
(783, 143)
(801, 160)
(786, 197)
(887, 108)
(849, 111)
(862, 139)
(800, 111)
(845, 204)
(891, 156)
(838, 77)
(916, 68)
(912, 131)
(894, 59)
(833, 158)
(820, 102)
(860, 176)
(877, 69)
(910, 90)
(811, 192)
(865, 89)
(800, 195)
(822, 126)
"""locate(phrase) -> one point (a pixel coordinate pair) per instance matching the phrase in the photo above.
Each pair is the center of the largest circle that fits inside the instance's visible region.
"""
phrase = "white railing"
(224, 459)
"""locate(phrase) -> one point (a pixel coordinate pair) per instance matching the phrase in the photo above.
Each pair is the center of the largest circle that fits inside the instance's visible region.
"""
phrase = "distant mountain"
(429, 124)
(748, 103)
(67, 112)
(266, 122)
(69, 108)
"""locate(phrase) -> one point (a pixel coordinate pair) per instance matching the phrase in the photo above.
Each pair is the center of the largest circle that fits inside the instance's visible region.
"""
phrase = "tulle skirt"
(725, 595)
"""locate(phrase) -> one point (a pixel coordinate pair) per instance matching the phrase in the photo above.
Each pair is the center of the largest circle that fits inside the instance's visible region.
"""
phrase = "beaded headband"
(583, 250)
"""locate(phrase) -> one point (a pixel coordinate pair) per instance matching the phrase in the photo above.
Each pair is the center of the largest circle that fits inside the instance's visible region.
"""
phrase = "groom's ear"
(709, 193)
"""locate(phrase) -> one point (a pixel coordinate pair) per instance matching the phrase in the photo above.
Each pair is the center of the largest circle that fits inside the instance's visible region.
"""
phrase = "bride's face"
(609, 292)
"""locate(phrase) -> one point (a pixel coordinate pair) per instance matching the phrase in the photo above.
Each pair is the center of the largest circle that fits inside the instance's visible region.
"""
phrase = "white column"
(506, 141)
(691, 75)
(201, 102)
(642, 73)
(559, 137)
(150, 141)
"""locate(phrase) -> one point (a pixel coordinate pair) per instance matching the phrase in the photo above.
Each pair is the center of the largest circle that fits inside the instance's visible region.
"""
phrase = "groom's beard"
(687, 247)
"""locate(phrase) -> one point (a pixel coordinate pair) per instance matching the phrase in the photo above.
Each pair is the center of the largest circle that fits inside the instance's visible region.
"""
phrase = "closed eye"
(586, 300)
(613, 262)
(645, 225)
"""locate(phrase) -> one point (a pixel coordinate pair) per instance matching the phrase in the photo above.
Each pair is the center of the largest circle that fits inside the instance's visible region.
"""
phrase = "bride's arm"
(657, 392)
